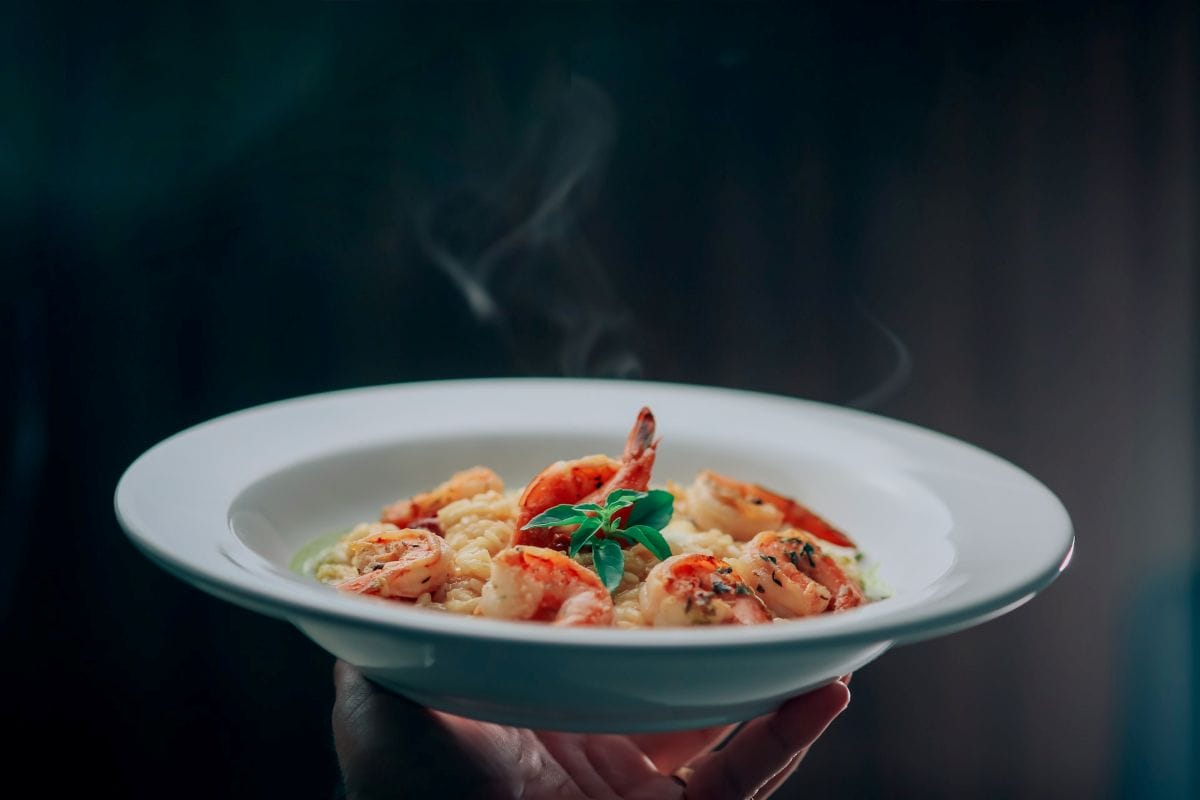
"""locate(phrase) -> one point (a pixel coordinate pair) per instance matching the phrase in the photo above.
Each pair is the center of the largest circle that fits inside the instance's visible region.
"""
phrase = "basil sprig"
(601, 528)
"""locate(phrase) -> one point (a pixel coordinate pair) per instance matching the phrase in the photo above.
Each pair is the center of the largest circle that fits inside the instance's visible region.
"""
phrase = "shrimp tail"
(641, 437)
(804, 518)
(586, 480)
(798, 515)
(637, 462)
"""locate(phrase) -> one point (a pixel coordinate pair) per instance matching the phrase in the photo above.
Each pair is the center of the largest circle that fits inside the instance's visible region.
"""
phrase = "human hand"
(390, 747)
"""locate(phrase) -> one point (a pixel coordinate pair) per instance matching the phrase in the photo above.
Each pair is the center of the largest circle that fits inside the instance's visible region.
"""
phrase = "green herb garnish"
(601, 528)
(807, 551)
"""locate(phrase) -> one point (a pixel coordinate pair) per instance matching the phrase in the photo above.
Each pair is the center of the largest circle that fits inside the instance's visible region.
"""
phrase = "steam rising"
(515, 251)
(897, 377)
(512, 245)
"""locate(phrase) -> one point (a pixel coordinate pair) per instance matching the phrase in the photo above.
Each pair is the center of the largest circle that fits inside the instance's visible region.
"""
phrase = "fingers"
(770, 787)
(767, 746)
(669, 751)
(627, 770)
(570, 751)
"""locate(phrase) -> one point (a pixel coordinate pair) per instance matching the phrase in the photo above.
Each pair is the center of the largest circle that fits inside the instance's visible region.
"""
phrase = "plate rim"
(904, 623)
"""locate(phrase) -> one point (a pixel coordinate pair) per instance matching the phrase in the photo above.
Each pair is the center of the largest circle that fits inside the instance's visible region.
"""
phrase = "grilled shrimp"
(399, 563)
(771, 567)
(696, 589)
(744, 509)
(536, 583)
(586, 480)
(794, 577)
(421, 510)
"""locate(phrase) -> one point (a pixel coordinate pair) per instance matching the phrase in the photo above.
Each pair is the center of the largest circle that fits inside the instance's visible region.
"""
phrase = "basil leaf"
(654, 510)
(651, 539)
(618, 536)
(622, 498)
(587, 507)
(582, 535)
(610, 563)
(553, 517)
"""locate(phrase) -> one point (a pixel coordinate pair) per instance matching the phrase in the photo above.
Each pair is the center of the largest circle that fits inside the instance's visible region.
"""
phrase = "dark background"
(978, 217)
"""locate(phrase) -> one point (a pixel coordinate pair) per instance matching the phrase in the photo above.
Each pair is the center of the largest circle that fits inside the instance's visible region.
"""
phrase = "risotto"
(589, 542)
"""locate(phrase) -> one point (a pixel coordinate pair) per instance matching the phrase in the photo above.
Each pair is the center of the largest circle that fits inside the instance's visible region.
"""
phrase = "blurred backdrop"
(981, 218)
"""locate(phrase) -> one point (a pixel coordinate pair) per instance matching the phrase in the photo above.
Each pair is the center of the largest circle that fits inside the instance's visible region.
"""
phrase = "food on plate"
(420, 511)
(794, 576)
(545, 585)
(404, 564)
(698, 589)
(745, 509)
(586, 480)
(589, 542)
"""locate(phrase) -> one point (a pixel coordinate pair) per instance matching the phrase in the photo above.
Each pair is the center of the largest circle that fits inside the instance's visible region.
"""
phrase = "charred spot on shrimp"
(701, 603)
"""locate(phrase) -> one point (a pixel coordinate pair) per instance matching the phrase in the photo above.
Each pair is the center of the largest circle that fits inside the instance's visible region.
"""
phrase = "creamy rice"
(477, 528)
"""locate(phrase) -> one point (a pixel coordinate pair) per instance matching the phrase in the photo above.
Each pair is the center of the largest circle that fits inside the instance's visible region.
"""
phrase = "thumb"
(388, 746)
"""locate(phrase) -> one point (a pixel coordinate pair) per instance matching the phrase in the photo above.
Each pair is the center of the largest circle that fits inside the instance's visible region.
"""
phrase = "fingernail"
(845, 695)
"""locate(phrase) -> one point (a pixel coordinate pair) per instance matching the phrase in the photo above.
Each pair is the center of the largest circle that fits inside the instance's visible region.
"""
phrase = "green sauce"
(310, 555)
(874, 587)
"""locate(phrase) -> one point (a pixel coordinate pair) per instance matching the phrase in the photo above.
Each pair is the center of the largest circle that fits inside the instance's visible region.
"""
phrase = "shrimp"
(697, 589)
(794, 577)
(420, 511)
(744, 509)
(772, 568)
(536, 583)
(586, 480)
(401, 564)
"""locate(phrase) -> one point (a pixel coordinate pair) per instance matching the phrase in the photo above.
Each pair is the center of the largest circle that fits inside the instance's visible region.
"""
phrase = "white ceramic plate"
(960, 536)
